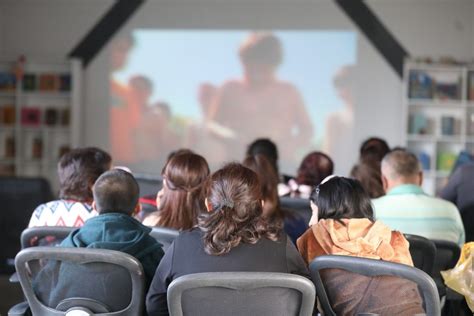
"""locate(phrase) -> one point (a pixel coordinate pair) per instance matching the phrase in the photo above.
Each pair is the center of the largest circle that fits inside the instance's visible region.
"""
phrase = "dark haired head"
(340, 198)
(265, 147)
(268, 182)
(78, 170)
(235, 203)
(261, 48)
(314, 168)
(184, 179)
(116, 191)
(374, 149)
(370, 177)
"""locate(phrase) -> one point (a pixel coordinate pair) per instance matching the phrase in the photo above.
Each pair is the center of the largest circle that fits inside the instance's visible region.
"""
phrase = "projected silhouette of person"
(125, 111)
(260, 104)
(339, 134)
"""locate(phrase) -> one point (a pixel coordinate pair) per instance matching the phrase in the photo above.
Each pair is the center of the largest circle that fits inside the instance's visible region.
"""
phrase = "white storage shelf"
(37, 146)
(437, 127)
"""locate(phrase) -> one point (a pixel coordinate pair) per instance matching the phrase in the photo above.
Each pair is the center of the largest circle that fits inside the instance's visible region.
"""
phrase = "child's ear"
(94, 206)
(137, 209)
(208, 205)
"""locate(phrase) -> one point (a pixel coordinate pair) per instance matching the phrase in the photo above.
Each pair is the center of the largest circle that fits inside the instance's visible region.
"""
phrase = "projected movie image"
(216, 91)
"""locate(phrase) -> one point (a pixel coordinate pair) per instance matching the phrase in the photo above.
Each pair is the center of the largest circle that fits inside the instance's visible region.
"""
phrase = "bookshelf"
(39, 115)
(438, 109)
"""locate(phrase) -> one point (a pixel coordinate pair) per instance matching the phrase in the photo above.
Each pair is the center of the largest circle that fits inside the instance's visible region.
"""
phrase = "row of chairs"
(219, 293)
(429, 256)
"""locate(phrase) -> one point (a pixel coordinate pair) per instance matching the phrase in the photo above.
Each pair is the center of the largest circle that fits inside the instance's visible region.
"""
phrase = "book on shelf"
(64, 82)
(30, 116)
(7, 82)
(470, 85)
(446, 161)
(447, 125)
(51, 116)
(420, 85)
(418, 124)
(425, 160)
(29, 82)
(7, 114)
(48, 82)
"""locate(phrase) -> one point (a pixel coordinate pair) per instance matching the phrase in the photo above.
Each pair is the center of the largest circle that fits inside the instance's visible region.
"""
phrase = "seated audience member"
(266, 147)
(370, 177)
(343, 224)
(373, 149)
(182, 198)
(233, 236)
(148, 202)
(77, 170)
(116, 200)
(367, 170)
(407, 208)
(293, 225)
(313, 169)
(459, 191)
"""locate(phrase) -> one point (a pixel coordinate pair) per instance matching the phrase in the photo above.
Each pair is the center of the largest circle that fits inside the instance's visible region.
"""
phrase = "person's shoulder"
(381, 200)
(190, 234)
(442, 203)
(232, 84)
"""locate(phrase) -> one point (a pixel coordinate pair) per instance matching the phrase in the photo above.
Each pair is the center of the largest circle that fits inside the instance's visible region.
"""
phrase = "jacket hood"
(113, 231)
(356, 237)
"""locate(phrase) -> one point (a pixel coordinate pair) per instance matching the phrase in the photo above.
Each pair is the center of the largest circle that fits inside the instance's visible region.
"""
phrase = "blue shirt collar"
(406, 189)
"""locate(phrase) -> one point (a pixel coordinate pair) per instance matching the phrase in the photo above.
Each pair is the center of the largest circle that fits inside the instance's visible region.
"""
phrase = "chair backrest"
(241, 293)
(423, 252)
(447, 255)
(164, 236)
(148, 184)
(31, 236)
(18, 197)
(300, 206)
(371, 268)
(84, 258)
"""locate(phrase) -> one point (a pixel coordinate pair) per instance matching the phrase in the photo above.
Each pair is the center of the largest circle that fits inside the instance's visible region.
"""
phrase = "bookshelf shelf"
(438, 108)
(43, 114)
(47, 95)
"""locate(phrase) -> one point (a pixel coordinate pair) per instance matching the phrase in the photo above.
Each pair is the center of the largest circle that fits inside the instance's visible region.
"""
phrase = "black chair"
(241, 293)
(370, 267)
(423, 252)
(447, 255)
(300, 206)
(149, 184)
(18, 197)
(116, 275)
(164, 236)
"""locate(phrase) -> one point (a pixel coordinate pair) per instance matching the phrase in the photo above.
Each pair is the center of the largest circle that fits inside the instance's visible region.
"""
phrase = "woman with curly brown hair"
(233, 236)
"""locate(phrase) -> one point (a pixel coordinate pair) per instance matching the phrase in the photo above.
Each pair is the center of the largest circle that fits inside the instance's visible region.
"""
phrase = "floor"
(10, 294)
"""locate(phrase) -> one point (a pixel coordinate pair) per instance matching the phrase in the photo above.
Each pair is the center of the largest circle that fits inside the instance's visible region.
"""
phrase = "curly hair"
(235, 202)
(79, 169)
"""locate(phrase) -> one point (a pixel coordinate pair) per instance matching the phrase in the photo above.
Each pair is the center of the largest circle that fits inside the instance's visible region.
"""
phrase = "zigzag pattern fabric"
(62, 213)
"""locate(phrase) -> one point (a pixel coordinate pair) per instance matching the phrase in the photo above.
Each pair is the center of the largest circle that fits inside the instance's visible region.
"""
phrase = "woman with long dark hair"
(233, 236)
(293, 224)
(343, 223)
(181, 200)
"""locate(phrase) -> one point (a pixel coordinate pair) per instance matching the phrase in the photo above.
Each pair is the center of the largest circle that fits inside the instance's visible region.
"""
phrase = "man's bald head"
(400, 167)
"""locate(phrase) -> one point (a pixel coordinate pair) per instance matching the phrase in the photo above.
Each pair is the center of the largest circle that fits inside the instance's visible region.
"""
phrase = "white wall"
(46, 29)
(424, 27)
